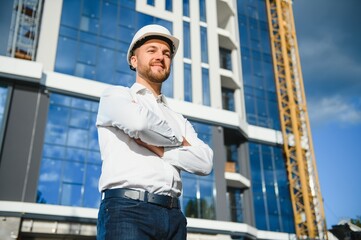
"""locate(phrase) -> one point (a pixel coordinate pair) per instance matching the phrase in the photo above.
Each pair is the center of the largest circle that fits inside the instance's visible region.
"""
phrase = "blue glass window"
(233, 153)
(186, 8)
(272, 202)
(151, 2)
(197, 198)
(70, 166)
(71, 17)
(87, 53)
(91, 8)
(205, 87)
(204, 45)
(94, 38)
(257, 67)
(186, 40)
(3, 101)
(228, 99)
(169, 5)
(232, 157)
(225, 58)
(127, 21)
(202, 10)
(89, 24)
(105, 72)
(127, 3)
(3, 104)
(108, 20)
(235, 203)
(187, 82)
(167, 87)
(66, 55)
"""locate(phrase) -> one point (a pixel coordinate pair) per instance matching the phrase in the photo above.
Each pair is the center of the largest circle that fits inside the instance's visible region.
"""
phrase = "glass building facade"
(257, 67)
(70, 167)
(217, 90)
(96, 32)
(3, 98)
(3, 104)
(273, 209)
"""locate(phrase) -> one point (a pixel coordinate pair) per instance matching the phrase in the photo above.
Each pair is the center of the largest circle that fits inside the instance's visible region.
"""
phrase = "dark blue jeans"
(127, 219)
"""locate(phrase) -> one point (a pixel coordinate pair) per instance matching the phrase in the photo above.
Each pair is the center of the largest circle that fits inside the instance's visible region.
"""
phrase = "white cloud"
(334, 109)
(326, 57)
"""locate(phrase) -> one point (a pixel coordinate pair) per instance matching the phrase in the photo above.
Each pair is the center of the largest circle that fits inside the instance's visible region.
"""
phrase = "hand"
(185, 142)
(159, 151)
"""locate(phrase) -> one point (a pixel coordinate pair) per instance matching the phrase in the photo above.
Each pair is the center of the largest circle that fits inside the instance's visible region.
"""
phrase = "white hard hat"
(148, 32)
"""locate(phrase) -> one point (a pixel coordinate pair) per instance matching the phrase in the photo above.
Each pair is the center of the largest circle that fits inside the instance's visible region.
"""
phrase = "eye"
(167, 54)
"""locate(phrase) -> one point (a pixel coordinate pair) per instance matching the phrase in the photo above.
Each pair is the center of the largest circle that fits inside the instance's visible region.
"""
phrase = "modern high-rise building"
(57, 56)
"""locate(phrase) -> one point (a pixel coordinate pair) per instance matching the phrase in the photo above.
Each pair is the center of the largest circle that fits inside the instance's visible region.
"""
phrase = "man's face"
(152, 61)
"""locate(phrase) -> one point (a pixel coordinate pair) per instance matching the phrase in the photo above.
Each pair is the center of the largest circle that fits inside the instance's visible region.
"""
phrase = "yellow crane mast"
(300, 161)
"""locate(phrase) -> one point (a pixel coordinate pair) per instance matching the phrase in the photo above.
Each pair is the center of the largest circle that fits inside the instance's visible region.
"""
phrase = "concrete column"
(23, 141)
(222, 209)
(248, 210)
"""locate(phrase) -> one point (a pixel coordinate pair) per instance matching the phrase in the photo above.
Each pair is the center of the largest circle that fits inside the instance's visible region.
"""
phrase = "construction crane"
(305, 192)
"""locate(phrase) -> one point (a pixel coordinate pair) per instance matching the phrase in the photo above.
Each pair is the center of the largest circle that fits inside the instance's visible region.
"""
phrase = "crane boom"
(300, 161)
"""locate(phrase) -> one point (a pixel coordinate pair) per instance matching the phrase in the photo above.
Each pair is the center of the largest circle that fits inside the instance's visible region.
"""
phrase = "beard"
(155, 76)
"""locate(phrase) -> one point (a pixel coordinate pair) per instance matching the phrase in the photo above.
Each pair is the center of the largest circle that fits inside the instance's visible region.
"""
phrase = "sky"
(329, 42)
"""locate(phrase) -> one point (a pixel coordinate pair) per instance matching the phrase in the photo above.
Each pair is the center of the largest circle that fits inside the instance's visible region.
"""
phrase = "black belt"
(161, 200)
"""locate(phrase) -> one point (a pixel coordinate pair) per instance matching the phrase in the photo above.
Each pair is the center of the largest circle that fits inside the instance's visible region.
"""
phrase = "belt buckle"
(143, 196)
(135, 195)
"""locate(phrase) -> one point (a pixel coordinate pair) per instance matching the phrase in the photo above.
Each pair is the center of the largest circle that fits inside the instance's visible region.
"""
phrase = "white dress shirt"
(128, 113)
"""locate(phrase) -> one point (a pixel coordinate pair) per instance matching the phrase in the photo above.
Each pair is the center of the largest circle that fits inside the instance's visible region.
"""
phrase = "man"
(144, 145)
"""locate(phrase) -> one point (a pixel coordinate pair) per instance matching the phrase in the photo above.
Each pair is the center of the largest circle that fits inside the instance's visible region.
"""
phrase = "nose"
(159, 55)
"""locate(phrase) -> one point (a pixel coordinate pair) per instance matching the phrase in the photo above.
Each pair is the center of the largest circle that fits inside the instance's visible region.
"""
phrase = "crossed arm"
(118, 109)
(159, 151)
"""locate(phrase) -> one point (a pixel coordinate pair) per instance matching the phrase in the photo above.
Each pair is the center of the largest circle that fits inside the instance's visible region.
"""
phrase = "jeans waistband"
(144, 196)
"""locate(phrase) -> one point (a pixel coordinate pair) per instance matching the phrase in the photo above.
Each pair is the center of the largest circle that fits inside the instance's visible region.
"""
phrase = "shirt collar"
(141, 89)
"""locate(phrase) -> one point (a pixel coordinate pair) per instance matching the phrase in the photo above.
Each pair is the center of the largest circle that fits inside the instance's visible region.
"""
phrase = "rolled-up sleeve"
(196, 159)
(117, 108)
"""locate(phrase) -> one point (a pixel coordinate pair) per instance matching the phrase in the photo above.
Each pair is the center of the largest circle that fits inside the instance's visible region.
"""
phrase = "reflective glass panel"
(235, 204)
(4, 91)
(272, 201)
(205, 87)
(94, 37)
(187, 40)
(228, 99)
(151, 2)
(187, 82)
(70, 166)
(169, 5)
(225, 58)
(3, 101)
(186, 8)
(202, 10)
(204, 45)
(257, 64)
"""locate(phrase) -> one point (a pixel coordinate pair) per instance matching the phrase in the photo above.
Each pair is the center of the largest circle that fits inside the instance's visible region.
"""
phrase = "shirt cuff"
(176, 140)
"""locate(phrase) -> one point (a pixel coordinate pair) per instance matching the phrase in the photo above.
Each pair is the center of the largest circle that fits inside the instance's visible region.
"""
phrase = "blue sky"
(329, 40)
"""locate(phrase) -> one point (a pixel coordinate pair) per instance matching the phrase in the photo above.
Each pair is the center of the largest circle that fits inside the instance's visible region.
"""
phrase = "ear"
(133, 61)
